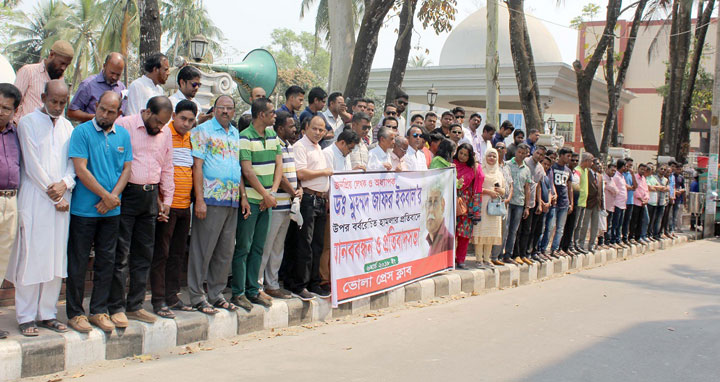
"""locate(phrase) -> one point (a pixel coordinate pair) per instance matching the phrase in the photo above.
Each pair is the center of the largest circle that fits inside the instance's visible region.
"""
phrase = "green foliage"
(702, 93)
(184, 19)
(589, 12)
(33, 34)
(299, 61)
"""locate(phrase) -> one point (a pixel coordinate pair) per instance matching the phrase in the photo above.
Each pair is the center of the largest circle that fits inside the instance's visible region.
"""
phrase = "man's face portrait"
(434, 210)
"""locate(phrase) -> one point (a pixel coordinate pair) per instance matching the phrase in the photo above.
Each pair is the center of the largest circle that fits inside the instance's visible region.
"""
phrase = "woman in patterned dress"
(470, 182)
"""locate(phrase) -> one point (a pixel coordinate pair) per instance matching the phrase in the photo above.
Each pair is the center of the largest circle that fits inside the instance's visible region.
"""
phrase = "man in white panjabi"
(38, 261)
(378, 157)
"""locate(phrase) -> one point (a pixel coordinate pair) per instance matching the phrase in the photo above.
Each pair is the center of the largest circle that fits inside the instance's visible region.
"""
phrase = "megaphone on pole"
(258, 69)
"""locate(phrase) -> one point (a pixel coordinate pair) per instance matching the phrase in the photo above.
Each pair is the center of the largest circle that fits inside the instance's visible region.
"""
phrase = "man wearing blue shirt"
(101, 153)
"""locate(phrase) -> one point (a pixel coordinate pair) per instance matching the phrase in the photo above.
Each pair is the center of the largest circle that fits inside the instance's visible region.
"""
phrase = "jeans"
(497, 250)
(538, 225)
(306, 268)
(617, 226)
(644, 222)
(674, 215)
(249, 245)
(169, 257)
(608, 237)
(558, 222)
(515, 214)
(635, 226)
(549, 224)
(626, 234)
(568, 231)
(523, 243)
(657, 223)
(84, 232)
(135, 245)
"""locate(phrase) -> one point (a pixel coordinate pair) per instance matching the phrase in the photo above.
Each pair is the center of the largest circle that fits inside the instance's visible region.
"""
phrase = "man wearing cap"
(31, 78)
(82, 107)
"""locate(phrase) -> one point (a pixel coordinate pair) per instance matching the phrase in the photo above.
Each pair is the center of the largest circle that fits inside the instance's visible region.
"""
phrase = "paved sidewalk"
(52, 353)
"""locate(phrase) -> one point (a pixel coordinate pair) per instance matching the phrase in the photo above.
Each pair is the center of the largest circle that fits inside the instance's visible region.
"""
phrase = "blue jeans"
(659, 211)
(645, 221)
(673, 215)
(617, 226)
(549, 219)
(515, 214)
(559, 217)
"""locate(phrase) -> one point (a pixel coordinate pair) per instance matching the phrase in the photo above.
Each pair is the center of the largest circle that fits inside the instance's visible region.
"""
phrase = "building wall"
(640, 119)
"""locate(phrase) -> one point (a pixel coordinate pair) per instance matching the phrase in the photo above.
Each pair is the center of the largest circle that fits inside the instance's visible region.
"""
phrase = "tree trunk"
(342, 42)
(492, 84)
(150, 29)
(523, 63)
(586, 75)
(402, 49)
(615, 86)
(701, 28)
(124, 37)
(367, 41)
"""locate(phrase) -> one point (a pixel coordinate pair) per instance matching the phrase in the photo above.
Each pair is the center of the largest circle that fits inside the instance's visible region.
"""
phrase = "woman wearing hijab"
(470, 182)
(489, 231)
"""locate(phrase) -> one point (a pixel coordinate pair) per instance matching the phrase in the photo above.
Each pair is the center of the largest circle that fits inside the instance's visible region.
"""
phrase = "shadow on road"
(674, 350)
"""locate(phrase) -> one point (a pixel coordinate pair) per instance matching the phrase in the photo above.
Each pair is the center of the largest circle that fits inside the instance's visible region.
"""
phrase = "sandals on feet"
(205, 307)
(29, 329)
(54, 325)
(222, 304)
(164, 312)
(181, 307)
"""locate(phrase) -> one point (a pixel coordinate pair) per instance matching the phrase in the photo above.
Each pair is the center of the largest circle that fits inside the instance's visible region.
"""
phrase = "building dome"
(466, 43)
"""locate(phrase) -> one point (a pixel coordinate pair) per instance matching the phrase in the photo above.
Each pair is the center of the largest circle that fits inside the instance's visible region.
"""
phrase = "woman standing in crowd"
(489, 232)
(444, 154)
(470, 184)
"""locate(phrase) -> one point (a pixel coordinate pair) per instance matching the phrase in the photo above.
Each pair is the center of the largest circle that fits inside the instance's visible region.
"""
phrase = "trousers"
(8, 230)
(306, 267)
(249, 246)
(590, 220)
(515, 214)
(37, 301)
(274, 245)
(169, 256)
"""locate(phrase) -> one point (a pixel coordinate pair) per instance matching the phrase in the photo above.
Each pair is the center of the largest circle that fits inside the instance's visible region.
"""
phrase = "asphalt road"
(653, 318)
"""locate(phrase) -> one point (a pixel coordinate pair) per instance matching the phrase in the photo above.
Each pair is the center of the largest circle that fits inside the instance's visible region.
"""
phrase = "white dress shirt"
(377, 158)
(415, 160)
(179, 96)
(337, 160)
(139, 92)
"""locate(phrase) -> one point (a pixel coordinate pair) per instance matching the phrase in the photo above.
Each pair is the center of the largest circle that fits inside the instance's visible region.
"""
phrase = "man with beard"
(188, 79)
(102, 153)
(146, 198)
(37, 263)
(157, 70)
(31, 78)
(82, 107)
(438, 237)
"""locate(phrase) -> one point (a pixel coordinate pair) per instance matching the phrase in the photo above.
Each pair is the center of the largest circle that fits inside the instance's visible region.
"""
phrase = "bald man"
(38, 262)
(83, 105)
(31, 78)
(255, 93)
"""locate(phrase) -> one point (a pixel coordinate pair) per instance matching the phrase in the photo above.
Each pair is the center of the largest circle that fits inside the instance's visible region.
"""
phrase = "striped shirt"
(152, 156)
(182, 161)
(288, 159)
(31, 80)
(261, 151)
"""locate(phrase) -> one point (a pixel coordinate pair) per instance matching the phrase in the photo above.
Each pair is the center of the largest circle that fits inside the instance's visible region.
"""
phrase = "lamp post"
(198, 47)
(432, 96)
(551, 125)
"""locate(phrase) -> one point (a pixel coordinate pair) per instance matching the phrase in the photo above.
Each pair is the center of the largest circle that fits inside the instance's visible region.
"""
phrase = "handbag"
(461, 209)
(496, 207)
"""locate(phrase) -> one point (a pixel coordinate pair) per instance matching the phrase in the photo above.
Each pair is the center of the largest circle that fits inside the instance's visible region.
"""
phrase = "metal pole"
(492, 85)
(711, 193)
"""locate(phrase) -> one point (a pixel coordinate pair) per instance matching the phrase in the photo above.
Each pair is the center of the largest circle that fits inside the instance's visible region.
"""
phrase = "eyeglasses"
(391, 127)
(402, 103)
(415, 135)
(391, 113)
(460, 116)
(456, 132)
(196, 84)
(367, 127)
(499, 147)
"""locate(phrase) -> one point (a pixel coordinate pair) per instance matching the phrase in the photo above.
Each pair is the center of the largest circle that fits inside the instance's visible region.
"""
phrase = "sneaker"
(260, 300)
(327, 289)
(304, 295)
(102, 321)
(80, 324)
(142, 315)
(120, 320)
(320, 291)
(242, 302)
(278, 293)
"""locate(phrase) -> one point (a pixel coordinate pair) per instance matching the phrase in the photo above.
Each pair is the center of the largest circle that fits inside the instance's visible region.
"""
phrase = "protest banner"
(388, 229)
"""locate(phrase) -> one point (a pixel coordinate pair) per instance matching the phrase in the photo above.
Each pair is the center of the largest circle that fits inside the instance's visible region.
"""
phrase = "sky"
(247, 25)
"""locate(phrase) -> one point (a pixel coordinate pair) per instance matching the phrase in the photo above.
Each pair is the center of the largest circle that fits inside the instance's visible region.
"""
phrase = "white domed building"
(460, 76)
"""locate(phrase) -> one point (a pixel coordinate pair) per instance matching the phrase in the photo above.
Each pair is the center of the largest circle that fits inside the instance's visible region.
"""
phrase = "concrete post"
(492, 84)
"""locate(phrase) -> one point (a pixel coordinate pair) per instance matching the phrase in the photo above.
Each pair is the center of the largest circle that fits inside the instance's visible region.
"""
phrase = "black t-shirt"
(439, 130)
(561, 174)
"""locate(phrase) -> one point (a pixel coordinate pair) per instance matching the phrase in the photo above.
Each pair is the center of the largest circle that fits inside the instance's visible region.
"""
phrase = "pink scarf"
(470, 176)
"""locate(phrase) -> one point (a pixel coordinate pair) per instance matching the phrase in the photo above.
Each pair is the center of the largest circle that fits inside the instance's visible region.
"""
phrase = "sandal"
(54, 325)
(164, 312)
(181, 307)
(222, 304)
(205, 307)
(29, 329)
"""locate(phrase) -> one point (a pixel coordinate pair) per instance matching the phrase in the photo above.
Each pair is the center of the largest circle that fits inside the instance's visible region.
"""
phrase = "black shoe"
(304, 295)
(4, 333)
(320, 291)
(461, 266)
(260, 300)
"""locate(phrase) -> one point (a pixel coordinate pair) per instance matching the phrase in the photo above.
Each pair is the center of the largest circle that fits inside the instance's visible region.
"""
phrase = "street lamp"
(432, 96)
(198, 47)
(620, 139)
(551, 125)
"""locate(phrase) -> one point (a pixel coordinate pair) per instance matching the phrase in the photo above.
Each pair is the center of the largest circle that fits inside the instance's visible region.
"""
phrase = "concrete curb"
(22, 357)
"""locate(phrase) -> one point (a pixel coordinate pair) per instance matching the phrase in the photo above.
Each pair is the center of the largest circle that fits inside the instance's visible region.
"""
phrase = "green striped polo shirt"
(261, 151)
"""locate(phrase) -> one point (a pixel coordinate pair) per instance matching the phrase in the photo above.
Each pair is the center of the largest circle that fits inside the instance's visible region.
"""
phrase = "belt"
(144, 187)
(8, 193)
(323, 195)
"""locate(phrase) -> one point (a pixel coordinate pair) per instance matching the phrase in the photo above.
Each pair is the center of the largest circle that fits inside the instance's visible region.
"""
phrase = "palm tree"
(183, 20)
(84, 29)
(35, 33)
(121, 26)
(322, 19)
(419, 61)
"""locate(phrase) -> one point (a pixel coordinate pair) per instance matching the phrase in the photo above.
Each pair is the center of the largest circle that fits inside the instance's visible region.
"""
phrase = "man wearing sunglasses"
(401, 102)
(414, 157)
(390, 110)
(188, 79)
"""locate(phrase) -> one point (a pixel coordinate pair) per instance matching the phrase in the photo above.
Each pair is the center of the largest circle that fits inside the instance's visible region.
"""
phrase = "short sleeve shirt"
(90, 91)
(106, 155)
(521, 176)
(261, 151)
(560, 176)
(288, 159)
(182, 163)
(220, 152)
(537, 174)
(309, 155)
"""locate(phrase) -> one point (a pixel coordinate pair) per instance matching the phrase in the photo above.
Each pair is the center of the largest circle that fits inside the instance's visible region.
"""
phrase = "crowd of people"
(147, 188)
